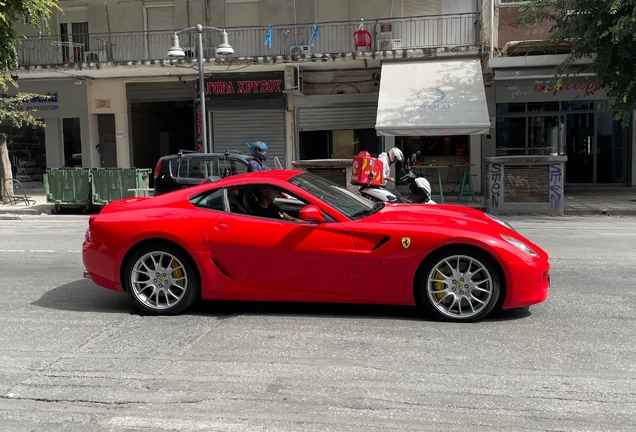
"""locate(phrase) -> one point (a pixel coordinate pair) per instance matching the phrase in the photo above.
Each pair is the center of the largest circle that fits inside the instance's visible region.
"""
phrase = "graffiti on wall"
(496, 183)
(556, 180)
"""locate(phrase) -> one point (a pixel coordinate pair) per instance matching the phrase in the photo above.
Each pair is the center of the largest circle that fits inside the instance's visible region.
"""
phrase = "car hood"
(433, 215)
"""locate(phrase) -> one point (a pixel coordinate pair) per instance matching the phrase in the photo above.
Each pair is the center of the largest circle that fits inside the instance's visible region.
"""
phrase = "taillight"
(158, 167)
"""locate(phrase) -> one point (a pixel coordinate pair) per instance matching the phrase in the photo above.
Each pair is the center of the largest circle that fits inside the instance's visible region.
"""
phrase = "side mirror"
(311, 213)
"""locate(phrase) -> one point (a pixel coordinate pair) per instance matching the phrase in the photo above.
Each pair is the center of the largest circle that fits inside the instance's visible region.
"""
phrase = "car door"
(279, 254)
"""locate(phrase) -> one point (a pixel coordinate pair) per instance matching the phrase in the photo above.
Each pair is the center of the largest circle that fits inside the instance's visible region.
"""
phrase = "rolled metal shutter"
(160, 92)
(234, 129)
(337, 118)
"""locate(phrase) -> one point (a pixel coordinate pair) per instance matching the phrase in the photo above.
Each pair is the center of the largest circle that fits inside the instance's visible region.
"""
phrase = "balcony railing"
(439, 31)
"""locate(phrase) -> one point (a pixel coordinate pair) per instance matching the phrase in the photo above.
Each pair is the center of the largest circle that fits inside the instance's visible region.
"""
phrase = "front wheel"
(460, 286)
(161, 280)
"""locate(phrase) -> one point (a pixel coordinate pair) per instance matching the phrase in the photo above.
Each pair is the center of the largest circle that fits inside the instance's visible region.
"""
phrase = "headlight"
(520, 245)
(506, 224)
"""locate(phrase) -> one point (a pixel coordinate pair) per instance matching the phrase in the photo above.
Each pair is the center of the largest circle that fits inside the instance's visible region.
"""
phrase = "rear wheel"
(459, 285)
(161, 279)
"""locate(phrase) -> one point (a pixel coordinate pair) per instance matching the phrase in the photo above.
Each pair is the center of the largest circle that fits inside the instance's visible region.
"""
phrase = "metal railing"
(435, 31)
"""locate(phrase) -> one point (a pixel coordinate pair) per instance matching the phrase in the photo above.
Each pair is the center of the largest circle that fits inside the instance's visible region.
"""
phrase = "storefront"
(436, 112)
(61, 142)
(573, 119)
(336, 126)
(242, 109)
(161, 121)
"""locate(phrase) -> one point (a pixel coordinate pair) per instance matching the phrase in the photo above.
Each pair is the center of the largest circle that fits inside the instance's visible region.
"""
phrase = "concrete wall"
(123, 16)
(114, 93)
(511, 27)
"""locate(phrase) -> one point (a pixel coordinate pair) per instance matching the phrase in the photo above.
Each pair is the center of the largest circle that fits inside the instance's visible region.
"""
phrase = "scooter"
(420, 190)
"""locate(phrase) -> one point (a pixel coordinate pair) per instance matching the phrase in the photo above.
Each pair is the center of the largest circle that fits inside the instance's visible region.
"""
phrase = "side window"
(237, 167)
(196, 169)
(211, 200)
(182, 168)
(212, 167)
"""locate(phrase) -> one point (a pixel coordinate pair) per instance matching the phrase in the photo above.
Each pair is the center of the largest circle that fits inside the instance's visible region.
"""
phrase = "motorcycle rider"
(388, 159)
(258, 149)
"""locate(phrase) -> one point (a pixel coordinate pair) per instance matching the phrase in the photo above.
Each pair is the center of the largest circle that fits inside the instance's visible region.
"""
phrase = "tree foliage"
(603, 31)
(34, 13)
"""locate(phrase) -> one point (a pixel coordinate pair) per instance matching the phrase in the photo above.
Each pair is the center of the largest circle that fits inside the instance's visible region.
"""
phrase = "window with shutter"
(160, 17)
(242, 13)
(422, 7)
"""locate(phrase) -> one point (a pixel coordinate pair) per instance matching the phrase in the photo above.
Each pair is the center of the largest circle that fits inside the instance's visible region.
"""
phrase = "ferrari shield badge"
(406, 242)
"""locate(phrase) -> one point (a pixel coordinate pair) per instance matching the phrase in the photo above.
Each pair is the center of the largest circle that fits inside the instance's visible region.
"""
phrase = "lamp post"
(177, 52)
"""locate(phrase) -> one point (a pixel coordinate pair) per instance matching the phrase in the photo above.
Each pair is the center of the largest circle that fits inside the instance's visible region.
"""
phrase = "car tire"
(459, 285)
(161, 279)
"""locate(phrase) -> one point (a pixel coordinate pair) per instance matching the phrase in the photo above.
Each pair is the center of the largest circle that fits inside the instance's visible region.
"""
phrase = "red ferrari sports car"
(293, 236)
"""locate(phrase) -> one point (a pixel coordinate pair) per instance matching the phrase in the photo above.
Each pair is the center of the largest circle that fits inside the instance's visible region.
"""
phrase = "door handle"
(222, 226)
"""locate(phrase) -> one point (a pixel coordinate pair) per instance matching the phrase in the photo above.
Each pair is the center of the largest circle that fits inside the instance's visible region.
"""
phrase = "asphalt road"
(75, 357)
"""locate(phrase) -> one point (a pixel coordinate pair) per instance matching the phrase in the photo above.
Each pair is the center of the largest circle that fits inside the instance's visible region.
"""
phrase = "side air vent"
(380, 243)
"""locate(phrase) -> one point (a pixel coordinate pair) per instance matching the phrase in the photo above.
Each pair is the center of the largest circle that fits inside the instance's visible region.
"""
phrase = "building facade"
(325, 66)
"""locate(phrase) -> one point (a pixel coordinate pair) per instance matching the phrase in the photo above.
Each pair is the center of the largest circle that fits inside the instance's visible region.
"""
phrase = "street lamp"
(177, 52)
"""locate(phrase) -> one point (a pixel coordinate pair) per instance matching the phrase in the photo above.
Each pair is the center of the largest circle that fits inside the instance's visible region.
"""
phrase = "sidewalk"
(610, 202)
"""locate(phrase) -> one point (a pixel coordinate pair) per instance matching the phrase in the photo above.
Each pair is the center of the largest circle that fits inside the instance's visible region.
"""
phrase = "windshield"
(349, 204)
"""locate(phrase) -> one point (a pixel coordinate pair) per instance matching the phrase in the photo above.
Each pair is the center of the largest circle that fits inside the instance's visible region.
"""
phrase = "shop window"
(506, 108)
(542, 106)
(338, 144)
(543, 135)
(511, 136)
(72, 142)
(577, 105)
(435, 147)
(27, 152)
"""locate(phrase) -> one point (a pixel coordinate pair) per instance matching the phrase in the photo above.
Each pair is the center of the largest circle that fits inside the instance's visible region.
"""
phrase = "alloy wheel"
(460, 287)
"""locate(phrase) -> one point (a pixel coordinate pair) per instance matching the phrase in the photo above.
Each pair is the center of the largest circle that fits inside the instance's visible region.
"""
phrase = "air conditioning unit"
(95, 56)
(390, 44)
(300, 50)
(293, 80)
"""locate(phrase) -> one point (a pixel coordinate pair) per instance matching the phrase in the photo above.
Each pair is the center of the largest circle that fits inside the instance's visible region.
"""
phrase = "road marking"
(39, 251)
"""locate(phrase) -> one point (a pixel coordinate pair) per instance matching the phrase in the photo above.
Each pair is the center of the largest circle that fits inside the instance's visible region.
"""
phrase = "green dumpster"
(68, 188)
(111, 184)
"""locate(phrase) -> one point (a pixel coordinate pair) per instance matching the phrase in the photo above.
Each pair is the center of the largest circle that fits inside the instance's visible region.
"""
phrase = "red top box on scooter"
(367, 171)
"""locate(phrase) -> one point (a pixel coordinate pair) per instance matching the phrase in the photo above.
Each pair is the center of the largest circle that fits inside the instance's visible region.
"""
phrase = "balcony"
(334, 38)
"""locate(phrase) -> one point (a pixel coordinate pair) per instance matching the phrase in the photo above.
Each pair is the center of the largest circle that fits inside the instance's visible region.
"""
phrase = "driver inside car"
(265, 206)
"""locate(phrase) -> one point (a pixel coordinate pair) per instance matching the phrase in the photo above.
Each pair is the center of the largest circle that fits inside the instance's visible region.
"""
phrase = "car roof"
(196, 155)
(260, 176)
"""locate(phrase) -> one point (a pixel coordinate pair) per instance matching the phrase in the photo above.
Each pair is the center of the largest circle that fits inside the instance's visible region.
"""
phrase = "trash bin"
(68, 188)
(112, 184)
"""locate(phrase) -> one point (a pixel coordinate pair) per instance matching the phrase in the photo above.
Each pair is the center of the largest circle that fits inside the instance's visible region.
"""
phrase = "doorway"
(107, 141)
(580, 148)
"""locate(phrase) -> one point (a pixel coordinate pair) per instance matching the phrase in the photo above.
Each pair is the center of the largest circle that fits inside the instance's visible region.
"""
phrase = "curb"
(31, 210)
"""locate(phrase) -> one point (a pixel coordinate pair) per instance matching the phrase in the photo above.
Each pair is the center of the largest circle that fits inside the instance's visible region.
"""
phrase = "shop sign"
(260, 87)
(102, 103)
(199, 125)
(38, 103)
(543, 90)
(432, 100)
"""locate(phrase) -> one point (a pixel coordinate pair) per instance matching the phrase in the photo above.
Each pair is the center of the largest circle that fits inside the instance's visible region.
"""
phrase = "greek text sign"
(271, 86)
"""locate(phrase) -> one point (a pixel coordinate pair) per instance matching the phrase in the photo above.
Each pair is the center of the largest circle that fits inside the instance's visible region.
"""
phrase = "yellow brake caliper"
(439, 286)
(178, 274)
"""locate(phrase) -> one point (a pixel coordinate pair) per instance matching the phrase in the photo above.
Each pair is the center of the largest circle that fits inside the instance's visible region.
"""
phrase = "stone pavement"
(610, 202)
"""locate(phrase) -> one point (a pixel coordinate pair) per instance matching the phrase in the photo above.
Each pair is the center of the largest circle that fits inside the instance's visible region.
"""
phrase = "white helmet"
(396, 153)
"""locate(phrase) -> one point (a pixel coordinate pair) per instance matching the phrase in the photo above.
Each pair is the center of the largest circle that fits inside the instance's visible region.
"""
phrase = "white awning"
(432, 98)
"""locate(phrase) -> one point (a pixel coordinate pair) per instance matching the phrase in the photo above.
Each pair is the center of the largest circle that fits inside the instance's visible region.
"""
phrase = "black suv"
(187, 169)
